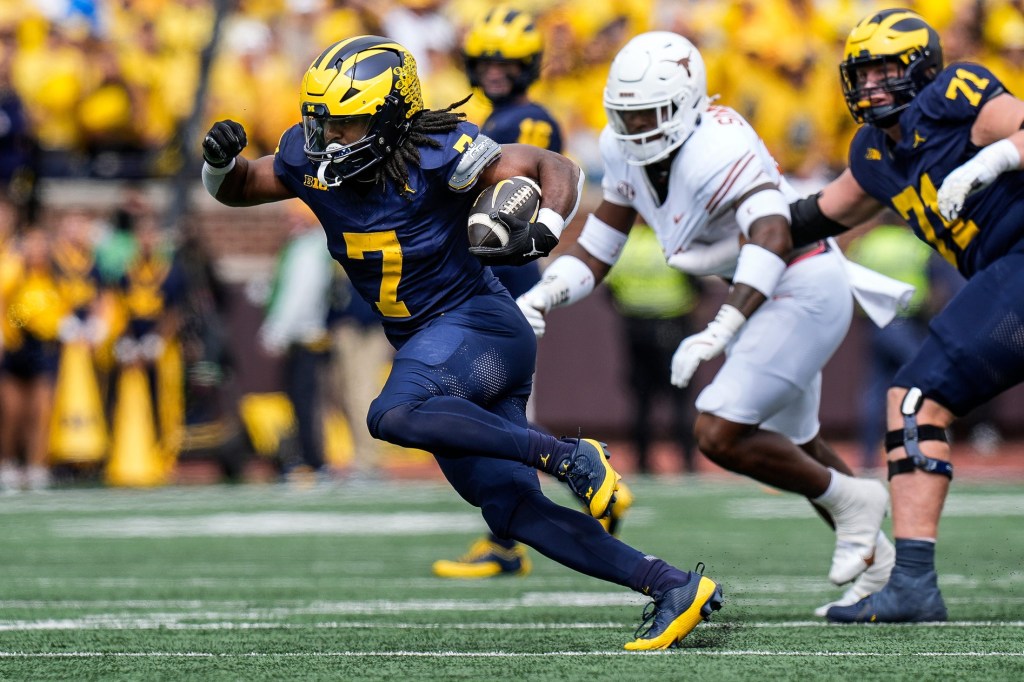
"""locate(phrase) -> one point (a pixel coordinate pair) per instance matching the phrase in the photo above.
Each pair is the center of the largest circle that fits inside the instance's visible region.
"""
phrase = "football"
(518, 196)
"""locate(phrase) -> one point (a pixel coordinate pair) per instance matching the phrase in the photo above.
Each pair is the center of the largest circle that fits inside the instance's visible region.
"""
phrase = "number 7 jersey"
(407, 254)
(936, 139)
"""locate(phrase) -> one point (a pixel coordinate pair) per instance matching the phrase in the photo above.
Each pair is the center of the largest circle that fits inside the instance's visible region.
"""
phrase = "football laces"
(517, 200)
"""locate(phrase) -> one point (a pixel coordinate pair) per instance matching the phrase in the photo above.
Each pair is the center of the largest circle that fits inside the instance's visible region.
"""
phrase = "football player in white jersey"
(702, 178)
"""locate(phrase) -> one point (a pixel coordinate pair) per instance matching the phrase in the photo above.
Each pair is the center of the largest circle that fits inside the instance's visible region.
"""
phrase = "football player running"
(702, 178)
(502, 53)
(389, 182)
(941, 147)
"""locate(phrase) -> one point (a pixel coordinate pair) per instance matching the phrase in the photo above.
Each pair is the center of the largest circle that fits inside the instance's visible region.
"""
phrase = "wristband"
(759, 268)
(601, 240)
(550, 219)
(213, 176)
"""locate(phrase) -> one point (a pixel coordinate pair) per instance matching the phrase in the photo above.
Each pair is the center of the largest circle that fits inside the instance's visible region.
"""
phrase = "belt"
(818, 249)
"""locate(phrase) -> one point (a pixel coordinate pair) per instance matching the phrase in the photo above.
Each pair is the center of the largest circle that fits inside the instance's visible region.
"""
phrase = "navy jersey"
(405, 254)
(936, 139)
(527, 123)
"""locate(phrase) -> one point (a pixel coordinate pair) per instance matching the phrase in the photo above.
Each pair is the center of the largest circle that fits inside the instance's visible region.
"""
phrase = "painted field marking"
(166, 621)
(508, 654)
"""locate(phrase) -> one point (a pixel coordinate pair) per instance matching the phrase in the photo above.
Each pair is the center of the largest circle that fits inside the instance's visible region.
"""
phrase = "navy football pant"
(458, 388)
(975, 346)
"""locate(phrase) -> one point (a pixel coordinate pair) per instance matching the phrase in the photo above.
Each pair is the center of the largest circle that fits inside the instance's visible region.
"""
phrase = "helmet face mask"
(504, 36)
(661, 75)
(357, 101)
(903, 54)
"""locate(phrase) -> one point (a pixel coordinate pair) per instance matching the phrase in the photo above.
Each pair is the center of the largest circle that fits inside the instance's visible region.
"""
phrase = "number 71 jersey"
(935, 140)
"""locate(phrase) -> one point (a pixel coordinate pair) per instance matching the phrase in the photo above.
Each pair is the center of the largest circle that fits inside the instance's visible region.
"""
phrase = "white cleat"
(871, 580)
(858, 521)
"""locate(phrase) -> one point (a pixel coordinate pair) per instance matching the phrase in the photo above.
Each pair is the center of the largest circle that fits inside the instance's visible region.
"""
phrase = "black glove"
(527, 242)
(225, 141)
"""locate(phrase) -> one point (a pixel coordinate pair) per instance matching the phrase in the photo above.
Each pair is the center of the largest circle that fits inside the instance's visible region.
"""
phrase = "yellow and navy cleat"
(589, 475)
(621, 503)
(672, 616)
(485, 559)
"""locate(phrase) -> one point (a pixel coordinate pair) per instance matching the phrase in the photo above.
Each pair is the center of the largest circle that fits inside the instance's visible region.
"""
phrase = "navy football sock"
(655, 577)
(507, 543)
(914, 557)
(573, 539)
(546, 451)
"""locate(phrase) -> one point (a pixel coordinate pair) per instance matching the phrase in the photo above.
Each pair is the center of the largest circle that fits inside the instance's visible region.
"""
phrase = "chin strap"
(910, 437)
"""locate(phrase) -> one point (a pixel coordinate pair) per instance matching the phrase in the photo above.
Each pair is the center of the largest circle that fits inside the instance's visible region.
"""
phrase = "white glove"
(976, 174)
(565, 281)
(535, 304)
(705, 345)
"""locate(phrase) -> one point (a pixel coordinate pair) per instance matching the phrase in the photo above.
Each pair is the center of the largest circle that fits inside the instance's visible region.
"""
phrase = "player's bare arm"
(558, 177)
(251, 183)
(573, 275)
(619, 218)
(231, 178)
(998, 119)
(997, 130)
(844, 201)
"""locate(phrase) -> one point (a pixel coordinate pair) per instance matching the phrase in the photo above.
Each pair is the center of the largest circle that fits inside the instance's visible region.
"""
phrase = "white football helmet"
(664, 72)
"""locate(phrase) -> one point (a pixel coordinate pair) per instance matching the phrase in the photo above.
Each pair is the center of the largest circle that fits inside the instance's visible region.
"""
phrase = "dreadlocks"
(426, 122)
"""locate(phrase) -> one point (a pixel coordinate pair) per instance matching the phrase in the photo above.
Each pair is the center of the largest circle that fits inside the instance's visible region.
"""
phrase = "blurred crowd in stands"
(108, 86)
(122, 89)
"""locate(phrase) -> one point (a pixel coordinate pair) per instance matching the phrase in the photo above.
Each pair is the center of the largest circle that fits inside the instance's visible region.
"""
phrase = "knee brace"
(910, 436)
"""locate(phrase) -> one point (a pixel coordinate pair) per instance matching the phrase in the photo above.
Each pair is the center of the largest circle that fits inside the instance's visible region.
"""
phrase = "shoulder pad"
(290, 147)
(478, 155)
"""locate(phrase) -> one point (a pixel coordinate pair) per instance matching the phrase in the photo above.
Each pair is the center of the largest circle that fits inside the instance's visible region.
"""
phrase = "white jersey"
(718, 164)
(772, 373)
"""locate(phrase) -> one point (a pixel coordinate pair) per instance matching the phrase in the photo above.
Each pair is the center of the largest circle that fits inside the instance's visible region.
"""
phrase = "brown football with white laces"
(518, 196)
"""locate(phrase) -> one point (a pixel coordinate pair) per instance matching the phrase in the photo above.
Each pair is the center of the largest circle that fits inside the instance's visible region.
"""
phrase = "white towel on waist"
(880, 296)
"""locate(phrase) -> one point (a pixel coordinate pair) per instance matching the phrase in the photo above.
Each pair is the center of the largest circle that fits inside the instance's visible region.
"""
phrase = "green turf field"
(268, 582)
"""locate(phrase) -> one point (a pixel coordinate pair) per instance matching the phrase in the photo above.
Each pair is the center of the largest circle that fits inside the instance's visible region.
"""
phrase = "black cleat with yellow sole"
(673, 615)
(589, 475)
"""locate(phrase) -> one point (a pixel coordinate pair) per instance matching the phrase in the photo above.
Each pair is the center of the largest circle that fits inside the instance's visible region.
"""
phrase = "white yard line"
(251, 621)
(510, 654)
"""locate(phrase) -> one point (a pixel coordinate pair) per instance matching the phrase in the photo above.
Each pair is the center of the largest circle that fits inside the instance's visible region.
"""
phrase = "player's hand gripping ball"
(501, 211)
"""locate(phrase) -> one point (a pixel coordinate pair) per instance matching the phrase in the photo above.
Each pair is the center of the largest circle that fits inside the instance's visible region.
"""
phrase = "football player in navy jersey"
(389, 181)
(502, 55)
(942, 147)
